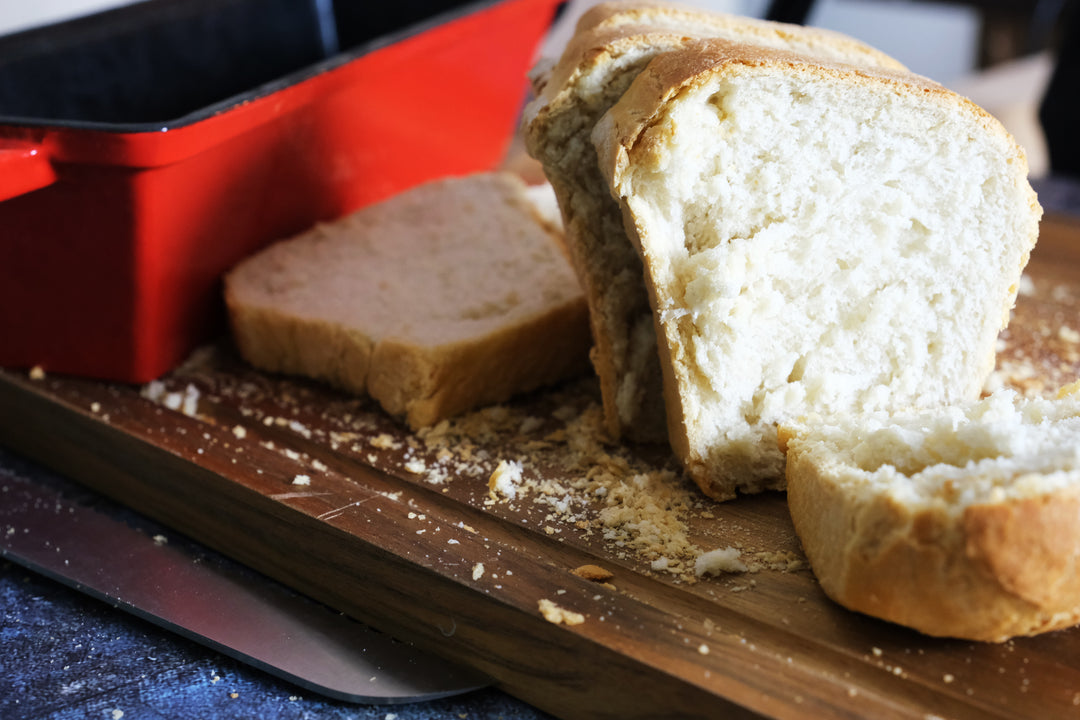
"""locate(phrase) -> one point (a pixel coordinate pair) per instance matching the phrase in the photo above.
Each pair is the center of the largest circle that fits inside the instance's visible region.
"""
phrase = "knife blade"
(217, 603)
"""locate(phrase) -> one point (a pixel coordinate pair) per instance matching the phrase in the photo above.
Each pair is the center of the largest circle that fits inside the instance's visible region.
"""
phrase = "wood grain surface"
(328, 495)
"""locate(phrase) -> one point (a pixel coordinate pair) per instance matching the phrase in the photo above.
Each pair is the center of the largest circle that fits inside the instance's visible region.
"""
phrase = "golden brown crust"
(296, 346)
(609, 29)
(988, 573)
(426, 385)
(422, 384)
(1030, 546)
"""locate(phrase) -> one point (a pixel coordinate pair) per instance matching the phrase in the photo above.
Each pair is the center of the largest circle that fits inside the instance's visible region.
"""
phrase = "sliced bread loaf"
(957, 522)
(612, 43)
(816, 237)
(451, 295)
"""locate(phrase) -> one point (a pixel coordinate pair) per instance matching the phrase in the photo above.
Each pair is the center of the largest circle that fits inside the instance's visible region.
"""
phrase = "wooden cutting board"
(402, 531)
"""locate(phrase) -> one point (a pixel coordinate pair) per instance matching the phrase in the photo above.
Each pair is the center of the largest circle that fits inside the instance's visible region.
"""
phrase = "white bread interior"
(612, 43)
(816, 237)
(959, 521)
(453, 294)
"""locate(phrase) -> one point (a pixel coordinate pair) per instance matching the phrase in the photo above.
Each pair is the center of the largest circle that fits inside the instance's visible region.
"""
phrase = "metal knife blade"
(226, 607)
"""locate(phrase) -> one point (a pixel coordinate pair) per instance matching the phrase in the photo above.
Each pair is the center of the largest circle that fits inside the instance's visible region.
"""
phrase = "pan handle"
(24, 167)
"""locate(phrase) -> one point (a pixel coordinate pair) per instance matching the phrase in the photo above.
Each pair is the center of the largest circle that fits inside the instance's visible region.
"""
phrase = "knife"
(215, 602)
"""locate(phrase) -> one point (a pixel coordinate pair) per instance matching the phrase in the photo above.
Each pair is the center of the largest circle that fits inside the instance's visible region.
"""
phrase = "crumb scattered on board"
(594, 573)
(559, 615)
(555, 465)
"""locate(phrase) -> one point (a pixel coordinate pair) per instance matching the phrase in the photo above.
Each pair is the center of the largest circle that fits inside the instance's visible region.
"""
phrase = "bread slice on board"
(612, 43)
(451, 295)
(958, 522)
(816, 237)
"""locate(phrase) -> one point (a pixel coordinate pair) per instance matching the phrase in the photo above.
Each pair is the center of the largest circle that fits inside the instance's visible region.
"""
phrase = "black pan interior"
(170, 62)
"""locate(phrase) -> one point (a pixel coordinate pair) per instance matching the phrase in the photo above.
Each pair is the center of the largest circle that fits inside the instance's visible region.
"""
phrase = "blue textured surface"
(64, 656)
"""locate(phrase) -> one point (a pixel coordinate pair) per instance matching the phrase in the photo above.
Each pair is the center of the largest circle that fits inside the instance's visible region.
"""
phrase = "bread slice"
(958, 522)
(451, 295)
(612, 43)
(816, 237)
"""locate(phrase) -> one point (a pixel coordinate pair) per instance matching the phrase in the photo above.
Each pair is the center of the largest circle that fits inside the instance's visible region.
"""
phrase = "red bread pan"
(145, 150)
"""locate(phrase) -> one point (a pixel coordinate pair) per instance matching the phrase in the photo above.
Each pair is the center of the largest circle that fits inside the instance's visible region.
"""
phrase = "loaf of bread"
(451, 295)
(612, 43)
(958, 521)
(816, 237)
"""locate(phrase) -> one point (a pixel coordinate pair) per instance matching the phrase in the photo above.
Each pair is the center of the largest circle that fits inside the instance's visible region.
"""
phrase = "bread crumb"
(416, 466)
(301, 480)
(117, 714)
(300, 429)
(783, 560)
(505, 478)
(478, 571)
(594, 573)
(586, 482)
(37, 373)
(187, 402)
(384, 441)
(239, 431)
(559, 615)
(703, 649)
(1068, 335)
(948, 677)
(160, 540)
(876, 651)
(234, 695)
(190, 403)
(721, 560)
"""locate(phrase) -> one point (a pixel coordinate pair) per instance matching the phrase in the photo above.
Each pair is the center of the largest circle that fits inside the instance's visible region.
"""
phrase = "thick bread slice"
(959, 522)
(816, 237)
(451, 295)
(612, 44)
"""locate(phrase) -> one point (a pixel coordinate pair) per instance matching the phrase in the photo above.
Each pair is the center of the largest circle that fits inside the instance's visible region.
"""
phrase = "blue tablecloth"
(64, 655)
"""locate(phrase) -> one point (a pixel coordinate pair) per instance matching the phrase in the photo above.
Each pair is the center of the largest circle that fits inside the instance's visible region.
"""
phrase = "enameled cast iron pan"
(145, 150)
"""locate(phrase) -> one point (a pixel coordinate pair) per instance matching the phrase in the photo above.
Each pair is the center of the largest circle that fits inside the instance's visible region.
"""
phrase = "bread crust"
(989, 572)
(428, 384)
(626, 133)
(594, 237)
